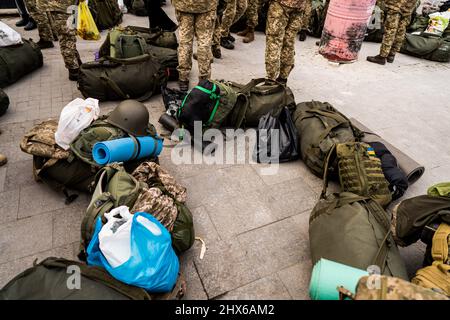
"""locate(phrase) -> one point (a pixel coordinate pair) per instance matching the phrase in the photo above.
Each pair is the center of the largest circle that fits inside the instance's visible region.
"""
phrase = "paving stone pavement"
(255, 225)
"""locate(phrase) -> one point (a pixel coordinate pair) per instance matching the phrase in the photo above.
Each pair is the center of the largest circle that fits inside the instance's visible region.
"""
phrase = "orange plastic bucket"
(345, 28)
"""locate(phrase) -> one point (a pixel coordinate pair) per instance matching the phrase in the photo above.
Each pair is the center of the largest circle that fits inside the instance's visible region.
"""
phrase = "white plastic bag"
(114, 237)
(75, 117)
(439, 21)
(122, 6)
(8, 36)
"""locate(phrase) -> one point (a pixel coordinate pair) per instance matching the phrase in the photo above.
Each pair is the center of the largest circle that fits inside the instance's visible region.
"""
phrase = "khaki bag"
(437, 276)
(320, 126)
(360, 172)
(389, 288)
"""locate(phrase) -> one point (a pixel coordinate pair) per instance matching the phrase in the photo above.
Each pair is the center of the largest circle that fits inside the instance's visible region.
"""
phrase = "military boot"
(73, 74)
(231, 38)
(44, 44)
(22, 22)
(183, 85)
(244, 32)
(302, 35)
(31, 25)
(3, 160)
(390, 58)
(216, 52)
(283, 81)
(226, 43)
(377, 59)
(250, 36)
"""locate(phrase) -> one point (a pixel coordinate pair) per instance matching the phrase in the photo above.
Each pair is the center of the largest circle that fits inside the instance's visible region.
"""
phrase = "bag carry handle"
(439, 249)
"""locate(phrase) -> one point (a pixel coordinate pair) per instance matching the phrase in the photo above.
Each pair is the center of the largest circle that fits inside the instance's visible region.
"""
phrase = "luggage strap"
(441, 242)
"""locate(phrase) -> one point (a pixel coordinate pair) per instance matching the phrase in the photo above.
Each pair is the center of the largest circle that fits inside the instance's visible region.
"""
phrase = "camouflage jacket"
(55, 5)
(297, 4)
(405, 7)
(195, 6)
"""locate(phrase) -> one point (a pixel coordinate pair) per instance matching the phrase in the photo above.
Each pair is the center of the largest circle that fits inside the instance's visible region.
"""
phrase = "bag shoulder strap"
(441, 241)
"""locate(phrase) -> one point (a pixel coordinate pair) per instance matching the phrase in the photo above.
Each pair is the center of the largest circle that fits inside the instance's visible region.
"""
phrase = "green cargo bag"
(157, 37)
(109, 78)
(114, 188)
(50, 280)
(355, 231)
(19, 60)
(137, 7)
(123, 43)
(257, 98)
(106, 13)
(168, 58)
(320, 127)
(4, 102)
(360, 172)
(183, 234)
(429, 48)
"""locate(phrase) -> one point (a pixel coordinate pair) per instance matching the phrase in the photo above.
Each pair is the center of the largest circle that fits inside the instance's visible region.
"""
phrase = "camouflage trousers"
(67, 39)
(234, 10)
(252, 13)
(200, 25)
(217, 29)
(42, 21)
(283, 24)
(395, 26)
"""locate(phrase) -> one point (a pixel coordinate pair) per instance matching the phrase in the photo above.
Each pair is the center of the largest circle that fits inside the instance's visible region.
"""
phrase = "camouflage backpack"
(165, 199)
(388, 288)
(360, 171)
(320, 127)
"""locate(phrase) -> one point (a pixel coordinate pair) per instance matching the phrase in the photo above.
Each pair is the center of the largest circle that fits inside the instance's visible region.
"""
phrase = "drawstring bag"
(151, 262)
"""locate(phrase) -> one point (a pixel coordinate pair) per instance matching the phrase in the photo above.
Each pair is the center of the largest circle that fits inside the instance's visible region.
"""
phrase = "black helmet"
(131, 116)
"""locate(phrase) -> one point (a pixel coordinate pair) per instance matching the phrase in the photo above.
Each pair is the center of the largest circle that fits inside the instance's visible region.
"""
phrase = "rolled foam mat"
(410, 167)
(126, 149)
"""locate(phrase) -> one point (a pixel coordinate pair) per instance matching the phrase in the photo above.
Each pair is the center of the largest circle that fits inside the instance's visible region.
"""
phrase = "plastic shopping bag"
(86, 27)
(8, 36)
(75, 117)
(152, 264)
(437, 24)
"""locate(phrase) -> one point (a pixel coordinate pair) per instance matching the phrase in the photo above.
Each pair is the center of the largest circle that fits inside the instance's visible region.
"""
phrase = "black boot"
(44, 44)
(377, 59)
(216, 52)
(73, 74)
(183, 85)
(231, 38)
(226, 43)
(22, 22)
(31, 25)
(390, 58)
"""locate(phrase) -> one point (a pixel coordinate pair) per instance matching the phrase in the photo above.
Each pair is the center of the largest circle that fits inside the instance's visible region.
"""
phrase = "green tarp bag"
(4, 102)
(183, 234)
(355, 231)
(49, 279)
(106, 13)
(157, 37)
(320, 127)
(429, 48)
(114, 79)
(256, 99)
(19, 60)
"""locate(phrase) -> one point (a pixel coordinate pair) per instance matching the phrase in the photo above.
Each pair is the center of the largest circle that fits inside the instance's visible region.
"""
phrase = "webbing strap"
(441, 241)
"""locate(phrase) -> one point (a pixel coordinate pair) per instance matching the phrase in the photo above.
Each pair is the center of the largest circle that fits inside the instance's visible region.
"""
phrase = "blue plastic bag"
(153, 264)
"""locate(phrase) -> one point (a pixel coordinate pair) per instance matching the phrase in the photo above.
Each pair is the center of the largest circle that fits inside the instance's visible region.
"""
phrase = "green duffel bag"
(106, 13)
(256, 99)
(157, 37)
(355, 231)
(137, 7)
(53, 278)
(168, 58)
(109, 78)
(429, 48)
(4, 102)
(19, 60)
(320, 126)
(420, 23)
(183, 233)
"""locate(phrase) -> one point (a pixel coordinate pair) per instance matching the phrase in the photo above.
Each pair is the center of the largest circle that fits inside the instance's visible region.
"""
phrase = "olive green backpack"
(106, 13)
(4, 102)
(51, 280)
(429, 48)
(360, 171)
(123, 43)
(320, 126)
(356, 231)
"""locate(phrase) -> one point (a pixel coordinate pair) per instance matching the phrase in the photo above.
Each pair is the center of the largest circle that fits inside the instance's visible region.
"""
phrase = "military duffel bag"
(137, 7)
(106, 13)
(356, 231)
(257, 98)
(119, 79)
(157, 36)
(19, 60)
(430, 48)
(376, 287)
(320, 127)
(54, 279)
(4, 102)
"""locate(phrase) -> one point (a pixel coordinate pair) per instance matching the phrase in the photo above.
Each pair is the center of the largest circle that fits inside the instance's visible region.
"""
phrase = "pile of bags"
(133, 63)
(136, 205)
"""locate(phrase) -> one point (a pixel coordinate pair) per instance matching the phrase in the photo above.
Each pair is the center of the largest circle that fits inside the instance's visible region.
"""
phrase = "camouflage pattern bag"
(388, 288)
(360, 172)
(164, 198)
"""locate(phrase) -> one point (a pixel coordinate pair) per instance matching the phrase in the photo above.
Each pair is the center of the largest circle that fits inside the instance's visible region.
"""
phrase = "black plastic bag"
(277, 138)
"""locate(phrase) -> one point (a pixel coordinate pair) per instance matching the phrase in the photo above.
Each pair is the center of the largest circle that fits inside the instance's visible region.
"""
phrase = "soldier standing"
(57, 10)
(234, 10)
(43, 24)
(195, 17)
(252, 20)
(284, 21)
(398, 17)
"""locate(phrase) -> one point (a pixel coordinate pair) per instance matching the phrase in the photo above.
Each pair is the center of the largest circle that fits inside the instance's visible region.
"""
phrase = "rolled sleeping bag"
(126, 149)
(328, 275)
(413, 170)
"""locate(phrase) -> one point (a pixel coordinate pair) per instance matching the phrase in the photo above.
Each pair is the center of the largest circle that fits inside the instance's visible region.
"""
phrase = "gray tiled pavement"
(255, 226)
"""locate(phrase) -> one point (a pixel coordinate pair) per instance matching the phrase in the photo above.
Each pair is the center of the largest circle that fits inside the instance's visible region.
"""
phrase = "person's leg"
(215, 48)
(67, 43)
(43, 25)
(25, 17)
(400, 35)
(31, 9)
(204, 29)
(186, 42)
(277, 21)
(228, 18)
(157, 17)
(241, 8)
(391, 26)
(287, 59)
